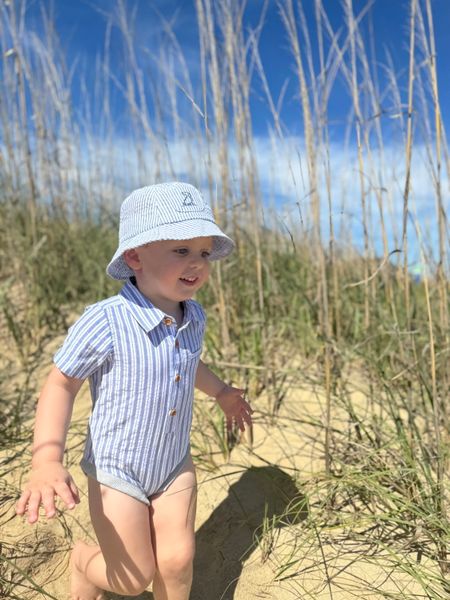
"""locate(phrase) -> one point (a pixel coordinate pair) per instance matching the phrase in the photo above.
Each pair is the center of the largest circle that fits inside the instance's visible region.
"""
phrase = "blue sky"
(81, 26)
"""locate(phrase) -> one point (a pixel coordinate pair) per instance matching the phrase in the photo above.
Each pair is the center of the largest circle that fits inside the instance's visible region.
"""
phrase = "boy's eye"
(185, 251)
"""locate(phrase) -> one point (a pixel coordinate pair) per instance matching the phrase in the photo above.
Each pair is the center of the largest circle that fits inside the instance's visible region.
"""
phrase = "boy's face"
(171, 270)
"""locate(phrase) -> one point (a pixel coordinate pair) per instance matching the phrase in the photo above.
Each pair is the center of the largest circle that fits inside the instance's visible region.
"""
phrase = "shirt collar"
(149, 316)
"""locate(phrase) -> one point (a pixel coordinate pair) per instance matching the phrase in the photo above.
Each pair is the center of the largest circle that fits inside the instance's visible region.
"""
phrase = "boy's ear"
(132, 259)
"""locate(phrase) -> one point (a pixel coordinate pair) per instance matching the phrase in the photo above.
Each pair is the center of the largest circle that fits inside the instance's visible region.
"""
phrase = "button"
(177, 377)
(167, 321)
(177, 344)
(172, 412)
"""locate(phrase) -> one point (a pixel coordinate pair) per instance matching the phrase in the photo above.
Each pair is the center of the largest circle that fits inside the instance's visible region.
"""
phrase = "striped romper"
(141, 369)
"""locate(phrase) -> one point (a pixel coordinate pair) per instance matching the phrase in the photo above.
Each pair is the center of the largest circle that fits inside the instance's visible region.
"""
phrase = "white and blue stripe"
(141, 370)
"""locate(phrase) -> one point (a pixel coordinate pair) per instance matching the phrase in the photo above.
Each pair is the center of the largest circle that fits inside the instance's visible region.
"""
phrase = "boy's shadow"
(228, 537)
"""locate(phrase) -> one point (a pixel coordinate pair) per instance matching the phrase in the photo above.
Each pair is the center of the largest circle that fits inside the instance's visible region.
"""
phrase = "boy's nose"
(198, 260)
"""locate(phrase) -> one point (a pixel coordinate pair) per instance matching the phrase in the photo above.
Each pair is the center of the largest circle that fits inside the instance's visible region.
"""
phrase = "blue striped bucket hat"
(165, 211)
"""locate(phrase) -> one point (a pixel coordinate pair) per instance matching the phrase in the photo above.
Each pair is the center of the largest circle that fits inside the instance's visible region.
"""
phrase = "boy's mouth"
(189, 280)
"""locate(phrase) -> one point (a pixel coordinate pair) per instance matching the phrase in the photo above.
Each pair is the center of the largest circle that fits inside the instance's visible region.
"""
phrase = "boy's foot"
(80, 587)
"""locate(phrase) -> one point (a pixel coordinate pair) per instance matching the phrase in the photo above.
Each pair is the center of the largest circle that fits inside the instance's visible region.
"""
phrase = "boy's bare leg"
(123, 562)
(80, 587)
(173, 529)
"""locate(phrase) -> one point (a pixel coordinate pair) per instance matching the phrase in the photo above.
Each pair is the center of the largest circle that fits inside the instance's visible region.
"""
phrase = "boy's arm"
(48, 476)
(230, 399)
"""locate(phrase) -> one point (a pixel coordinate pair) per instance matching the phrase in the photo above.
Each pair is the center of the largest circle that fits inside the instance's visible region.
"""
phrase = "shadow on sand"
(228, 537)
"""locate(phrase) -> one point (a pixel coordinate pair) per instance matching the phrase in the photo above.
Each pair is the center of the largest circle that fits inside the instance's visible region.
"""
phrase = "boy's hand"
(231, 401)
(47, 481)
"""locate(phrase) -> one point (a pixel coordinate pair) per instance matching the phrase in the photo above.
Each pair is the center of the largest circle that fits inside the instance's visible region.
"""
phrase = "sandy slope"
(232, 504)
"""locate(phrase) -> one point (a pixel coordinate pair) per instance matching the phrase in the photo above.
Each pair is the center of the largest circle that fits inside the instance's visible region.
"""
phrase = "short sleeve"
(87, 345)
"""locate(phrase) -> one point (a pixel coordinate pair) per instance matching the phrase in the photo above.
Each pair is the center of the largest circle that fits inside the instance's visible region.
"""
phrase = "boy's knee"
(176, 563)
(140, 585)
(132, 587)
(131, 583)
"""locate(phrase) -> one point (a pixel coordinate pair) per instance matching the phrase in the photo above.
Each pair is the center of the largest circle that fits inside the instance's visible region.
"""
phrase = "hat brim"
(222, 244)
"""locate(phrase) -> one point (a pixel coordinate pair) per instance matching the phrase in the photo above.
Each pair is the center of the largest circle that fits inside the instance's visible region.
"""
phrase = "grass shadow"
(227, 538)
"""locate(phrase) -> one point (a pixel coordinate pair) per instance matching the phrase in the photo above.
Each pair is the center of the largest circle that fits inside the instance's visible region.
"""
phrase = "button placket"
(176, 389)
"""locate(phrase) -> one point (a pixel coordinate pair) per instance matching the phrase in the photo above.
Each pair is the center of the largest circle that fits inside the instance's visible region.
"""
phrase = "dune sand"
(234, 502)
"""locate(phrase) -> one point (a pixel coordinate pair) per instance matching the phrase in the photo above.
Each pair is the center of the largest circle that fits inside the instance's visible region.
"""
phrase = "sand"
(244, 491)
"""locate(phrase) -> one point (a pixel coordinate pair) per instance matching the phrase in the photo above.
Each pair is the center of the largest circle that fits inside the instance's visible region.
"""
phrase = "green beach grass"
(290, 295)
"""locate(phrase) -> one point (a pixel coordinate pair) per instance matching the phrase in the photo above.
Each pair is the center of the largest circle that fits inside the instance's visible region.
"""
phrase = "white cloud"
(109, 169)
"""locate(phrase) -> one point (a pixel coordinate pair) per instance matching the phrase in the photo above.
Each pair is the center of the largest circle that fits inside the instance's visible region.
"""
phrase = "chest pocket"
(189, 358)
(191, 341)
(191, 355)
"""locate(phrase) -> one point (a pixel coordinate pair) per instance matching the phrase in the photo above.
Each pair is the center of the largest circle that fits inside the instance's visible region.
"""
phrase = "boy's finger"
(240, 423)
(22, 502)
(48, 502)
(247, 418)
(74, 490)
(247, 406)
(33, 507)
(65, 493)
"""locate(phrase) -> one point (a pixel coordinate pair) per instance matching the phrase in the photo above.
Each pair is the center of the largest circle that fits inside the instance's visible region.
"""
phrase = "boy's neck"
(174, 309)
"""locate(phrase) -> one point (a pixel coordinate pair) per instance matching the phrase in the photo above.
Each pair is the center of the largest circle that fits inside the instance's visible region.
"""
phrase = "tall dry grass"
(297, 285)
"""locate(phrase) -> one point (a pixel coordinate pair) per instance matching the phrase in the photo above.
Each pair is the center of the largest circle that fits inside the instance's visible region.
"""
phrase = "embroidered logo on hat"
(188, 200)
